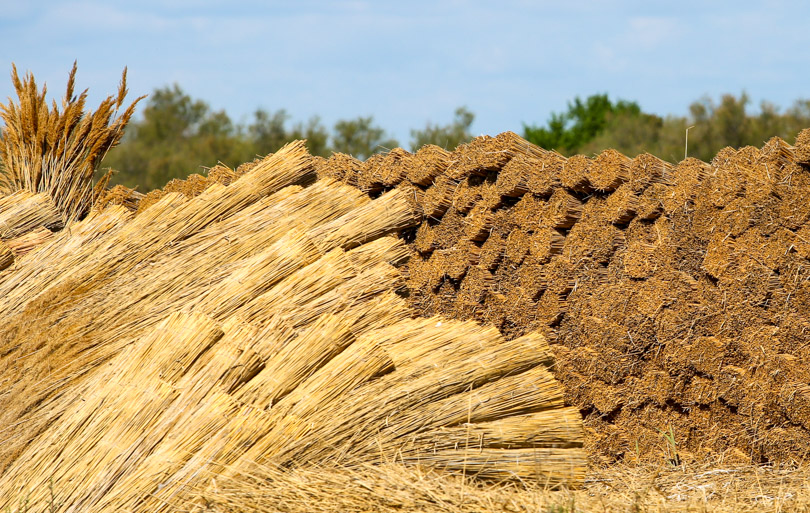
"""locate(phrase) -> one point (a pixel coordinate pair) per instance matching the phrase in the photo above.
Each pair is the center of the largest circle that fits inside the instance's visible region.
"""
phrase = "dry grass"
(705, 488)
(56, 150)
(393, 487)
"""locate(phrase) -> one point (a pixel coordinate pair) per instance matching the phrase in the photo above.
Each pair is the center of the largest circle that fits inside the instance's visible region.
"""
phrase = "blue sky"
(407, 63)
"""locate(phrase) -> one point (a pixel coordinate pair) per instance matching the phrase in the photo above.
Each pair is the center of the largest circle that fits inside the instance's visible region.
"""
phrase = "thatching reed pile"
(675, 295)
(257, 323)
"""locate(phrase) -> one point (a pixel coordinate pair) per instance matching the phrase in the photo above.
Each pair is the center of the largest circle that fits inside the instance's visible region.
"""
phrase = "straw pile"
(253, 323)
(676, 296)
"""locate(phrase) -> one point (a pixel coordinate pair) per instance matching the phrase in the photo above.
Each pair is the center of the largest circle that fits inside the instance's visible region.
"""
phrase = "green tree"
(176, 136)
(268, 133)
(630, 133)
(360, 138)
(447, 136)
(567, 132)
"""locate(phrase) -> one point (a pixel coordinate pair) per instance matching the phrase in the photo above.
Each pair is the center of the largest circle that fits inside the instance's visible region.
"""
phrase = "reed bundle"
(646, 170)
(546, 176)
(425, 239)
(487, 153)
(6, 256)
(22, 212)
(622, 205)
(439, 197)
(370, 179)
(341, 168)
(610, 169)
(427, 164)
(802, 147)
(56, 150)
(466, 195)
(390, 213)
(32, 240)
(479, 223)
(119, 195)
(650, 203)
(492, 251)
(546, 243)
(575, 173)
(563, 210)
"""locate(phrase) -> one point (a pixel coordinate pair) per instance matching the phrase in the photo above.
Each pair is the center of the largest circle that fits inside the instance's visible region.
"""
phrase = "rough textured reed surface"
(147, 357)
(677, 296)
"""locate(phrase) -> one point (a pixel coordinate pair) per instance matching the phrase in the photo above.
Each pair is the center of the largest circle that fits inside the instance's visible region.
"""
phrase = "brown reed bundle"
(650, 203)
(485, 153)
(575, 173)
(562, 210)
(802, 147)
(222, 174)
(647, 169)
(479, 223)
(545, 177)
(427, 164)
(370, 177)
(341, 168)
(546, 243)
(439, 197)
(394, 166)
(425, 239)
(513, 179)
(119, 195)
(492, 251)
(55, 150)
(610, 169)
(622, 204)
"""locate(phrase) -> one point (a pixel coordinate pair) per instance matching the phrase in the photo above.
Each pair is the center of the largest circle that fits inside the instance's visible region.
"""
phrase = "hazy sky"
(407, 63)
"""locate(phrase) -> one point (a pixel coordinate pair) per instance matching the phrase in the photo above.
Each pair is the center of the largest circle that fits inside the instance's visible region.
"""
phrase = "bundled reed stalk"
(55, 150)
(23, 211)
(6, 256)
(30, 241)
(802, 149)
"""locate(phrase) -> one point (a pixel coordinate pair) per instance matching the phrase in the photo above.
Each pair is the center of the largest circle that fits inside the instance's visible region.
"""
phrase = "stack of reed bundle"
(203, 333)
(593, 236)
(486, 153)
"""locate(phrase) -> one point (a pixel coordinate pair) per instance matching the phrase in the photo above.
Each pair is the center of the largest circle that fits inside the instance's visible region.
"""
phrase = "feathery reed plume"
(55, 150)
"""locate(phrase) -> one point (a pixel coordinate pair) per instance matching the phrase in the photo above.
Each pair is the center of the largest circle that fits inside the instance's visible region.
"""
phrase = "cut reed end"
(803, 147)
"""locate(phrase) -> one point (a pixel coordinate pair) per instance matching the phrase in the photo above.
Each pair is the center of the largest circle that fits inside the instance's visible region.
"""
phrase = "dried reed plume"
(56, 150)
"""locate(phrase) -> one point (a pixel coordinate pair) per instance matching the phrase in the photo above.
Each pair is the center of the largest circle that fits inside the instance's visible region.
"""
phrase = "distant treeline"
(596, 123)
(178, 135)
